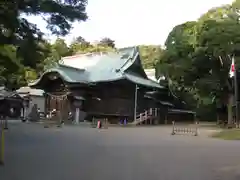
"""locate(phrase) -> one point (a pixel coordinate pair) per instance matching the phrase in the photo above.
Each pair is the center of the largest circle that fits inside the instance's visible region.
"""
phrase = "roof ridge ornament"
(132, 56)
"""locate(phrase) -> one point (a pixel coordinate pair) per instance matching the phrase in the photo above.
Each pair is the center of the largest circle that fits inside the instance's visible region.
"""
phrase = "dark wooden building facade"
(112, 85)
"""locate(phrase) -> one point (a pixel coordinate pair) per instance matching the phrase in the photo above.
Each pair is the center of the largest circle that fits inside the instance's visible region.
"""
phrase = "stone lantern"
(77, 102)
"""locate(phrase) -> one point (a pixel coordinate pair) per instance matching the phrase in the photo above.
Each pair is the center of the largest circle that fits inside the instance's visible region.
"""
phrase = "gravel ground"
(74, 153)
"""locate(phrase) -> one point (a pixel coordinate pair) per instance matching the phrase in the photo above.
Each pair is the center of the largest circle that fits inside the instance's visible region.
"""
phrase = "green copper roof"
(103, 67)
(139, 80)
(93, 68)
(68, 74)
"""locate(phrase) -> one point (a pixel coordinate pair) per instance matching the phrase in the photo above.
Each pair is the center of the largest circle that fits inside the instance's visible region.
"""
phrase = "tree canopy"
(21, 42)
(107, 42)
(198, 55)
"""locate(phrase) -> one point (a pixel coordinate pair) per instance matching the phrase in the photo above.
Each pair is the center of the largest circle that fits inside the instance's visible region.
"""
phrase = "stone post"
(77, 116)
(78, 100)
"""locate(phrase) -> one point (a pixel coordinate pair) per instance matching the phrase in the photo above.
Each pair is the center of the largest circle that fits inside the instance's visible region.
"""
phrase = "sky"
(135, 22)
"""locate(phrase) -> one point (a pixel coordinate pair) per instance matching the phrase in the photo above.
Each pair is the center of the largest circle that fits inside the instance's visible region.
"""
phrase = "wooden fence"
(180, 129)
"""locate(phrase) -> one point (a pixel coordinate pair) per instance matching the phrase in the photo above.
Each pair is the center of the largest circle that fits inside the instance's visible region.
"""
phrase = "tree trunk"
(230, 110)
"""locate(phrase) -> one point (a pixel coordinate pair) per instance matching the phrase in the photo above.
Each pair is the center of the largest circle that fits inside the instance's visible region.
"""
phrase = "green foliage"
(107, 42)
(198, 56)
(150, 55)
(228, 135)
(79, 44)
(22, 48)
(57, 50)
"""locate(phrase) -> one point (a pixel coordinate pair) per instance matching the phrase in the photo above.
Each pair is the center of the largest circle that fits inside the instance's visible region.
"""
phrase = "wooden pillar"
(151, 111)
(50, 101)
(156, 112)
(45, 102)
(25, 112)
(65, 109)
(165, 118)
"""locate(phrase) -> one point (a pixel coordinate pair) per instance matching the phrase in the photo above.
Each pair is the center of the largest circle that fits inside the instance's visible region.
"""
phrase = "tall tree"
(79, 44)
(150, 55)
(81, 40)
(25, 37)
(107, 42)
(197, 56)
(57, 50)
(61, 48)
(176, 62)
(58, 15)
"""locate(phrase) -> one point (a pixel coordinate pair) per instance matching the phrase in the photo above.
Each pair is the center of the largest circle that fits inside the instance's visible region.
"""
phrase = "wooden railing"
(148, 114)
(185, 129)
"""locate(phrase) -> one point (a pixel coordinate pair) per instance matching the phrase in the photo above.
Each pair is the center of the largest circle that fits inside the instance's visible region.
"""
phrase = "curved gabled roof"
(103, 66)
(100, 67)
(141, 81)
(68, 74)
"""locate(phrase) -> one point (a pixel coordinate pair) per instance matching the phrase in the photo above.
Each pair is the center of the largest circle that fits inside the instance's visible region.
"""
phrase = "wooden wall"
(110, 106)
(115, 99)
